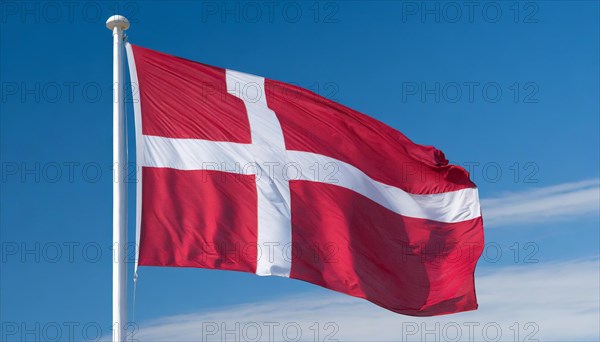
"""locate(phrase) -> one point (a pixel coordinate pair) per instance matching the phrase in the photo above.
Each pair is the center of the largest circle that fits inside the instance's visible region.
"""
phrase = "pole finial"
(117, 21)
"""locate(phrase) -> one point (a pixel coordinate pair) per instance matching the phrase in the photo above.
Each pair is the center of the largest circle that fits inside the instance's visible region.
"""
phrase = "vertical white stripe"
(268, 149)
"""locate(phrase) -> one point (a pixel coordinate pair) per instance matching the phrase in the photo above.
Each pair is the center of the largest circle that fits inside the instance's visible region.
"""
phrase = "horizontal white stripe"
(192, 154)
(196, 154)
(455, 206)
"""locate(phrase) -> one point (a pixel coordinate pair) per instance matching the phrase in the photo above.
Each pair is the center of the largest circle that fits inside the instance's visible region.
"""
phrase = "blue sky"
(509, 89)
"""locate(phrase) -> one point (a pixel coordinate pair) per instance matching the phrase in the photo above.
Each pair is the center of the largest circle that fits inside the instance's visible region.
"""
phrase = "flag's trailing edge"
(243, 173)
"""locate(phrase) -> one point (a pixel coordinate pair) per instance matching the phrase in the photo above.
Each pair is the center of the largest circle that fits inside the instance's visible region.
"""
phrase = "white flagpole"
(117, 24)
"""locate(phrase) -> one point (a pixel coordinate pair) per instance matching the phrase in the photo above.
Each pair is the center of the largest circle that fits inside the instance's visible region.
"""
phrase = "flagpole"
(117, 24)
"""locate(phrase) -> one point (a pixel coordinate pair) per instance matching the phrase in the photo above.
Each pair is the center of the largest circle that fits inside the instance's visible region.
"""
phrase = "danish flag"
(243, 173)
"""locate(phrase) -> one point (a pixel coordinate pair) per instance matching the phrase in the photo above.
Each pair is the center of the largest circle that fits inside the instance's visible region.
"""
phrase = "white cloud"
(542, 302)
(558, 202)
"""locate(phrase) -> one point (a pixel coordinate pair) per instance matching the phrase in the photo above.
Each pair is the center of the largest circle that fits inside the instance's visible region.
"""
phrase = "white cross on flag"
(249, 174)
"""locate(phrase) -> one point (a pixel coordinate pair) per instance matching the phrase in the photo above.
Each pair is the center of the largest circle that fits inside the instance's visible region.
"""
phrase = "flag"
(244, 173)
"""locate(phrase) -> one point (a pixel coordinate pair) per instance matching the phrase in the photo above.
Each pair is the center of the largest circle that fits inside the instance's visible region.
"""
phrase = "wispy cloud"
(558, 202)
(545, 302)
